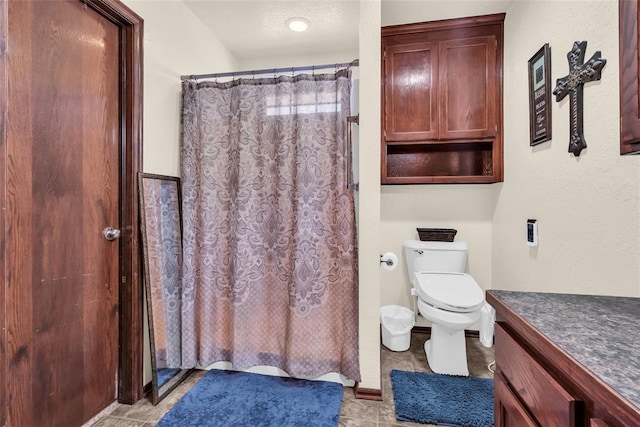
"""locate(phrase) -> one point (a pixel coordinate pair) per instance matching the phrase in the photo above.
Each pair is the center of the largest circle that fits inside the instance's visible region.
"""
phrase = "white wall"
(175, 43)
(297, 61)
(395, 12)
(467, 208)
(369, 194)
(588, 206)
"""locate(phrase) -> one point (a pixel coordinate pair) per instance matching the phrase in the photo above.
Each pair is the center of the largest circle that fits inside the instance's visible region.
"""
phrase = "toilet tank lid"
(440, 246)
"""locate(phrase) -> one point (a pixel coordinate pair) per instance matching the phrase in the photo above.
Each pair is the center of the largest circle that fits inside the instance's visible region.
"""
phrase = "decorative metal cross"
(579, 74)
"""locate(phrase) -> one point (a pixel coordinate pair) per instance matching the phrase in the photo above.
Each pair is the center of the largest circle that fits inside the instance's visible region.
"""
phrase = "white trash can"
(397, 322)
(487, 325)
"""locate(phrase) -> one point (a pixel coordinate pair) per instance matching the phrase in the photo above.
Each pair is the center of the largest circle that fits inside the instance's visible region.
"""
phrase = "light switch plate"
(532, 232)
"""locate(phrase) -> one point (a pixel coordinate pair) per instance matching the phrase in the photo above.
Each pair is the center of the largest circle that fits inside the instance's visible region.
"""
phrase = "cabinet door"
(508, 411)
(538, 389)
(468, 85)
(410, 106)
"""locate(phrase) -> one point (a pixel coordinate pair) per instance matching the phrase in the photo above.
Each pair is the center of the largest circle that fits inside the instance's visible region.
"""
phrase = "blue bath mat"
(230, 398)
(443, 399)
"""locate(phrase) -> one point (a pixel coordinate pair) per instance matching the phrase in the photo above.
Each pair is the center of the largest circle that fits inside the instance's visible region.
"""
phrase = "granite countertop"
(600, 332)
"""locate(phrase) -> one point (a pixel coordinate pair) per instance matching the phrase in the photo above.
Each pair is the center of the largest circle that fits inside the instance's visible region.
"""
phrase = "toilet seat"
(456, 292)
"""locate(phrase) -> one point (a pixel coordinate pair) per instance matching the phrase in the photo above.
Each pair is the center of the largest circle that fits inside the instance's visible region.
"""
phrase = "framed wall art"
(540, 96)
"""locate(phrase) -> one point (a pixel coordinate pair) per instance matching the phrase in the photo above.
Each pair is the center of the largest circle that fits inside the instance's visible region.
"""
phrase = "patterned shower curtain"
(270, 262)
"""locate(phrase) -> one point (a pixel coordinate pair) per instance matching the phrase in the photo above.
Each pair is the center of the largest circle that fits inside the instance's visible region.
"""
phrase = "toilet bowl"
(446, 296)
(452, 302)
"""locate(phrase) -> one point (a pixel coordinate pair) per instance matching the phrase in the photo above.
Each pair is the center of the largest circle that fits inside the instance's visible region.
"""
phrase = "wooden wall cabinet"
(442, 101)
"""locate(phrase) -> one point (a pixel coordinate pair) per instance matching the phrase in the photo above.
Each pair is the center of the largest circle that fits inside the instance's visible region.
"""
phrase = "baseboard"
(146, 391)
(427, 330)
(366, 393)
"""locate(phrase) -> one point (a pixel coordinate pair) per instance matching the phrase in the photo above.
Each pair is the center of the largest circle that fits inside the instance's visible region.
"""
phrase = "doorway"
(71, 104)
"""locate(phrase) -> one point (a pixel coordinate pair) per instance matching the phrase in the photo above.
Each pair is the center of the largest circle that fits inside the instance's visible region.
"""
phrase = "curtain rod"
(353, 63)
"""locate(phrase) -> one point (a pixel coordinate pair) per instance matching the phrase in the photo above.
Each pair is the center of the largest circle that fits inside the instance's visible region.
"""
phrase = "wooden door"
(62, 181)
(468, 82)
(411, 92)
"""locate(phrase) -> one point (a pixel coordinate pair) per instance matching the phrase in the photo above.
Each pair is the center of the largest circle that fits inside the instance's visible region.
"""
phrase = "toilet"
(446, 296)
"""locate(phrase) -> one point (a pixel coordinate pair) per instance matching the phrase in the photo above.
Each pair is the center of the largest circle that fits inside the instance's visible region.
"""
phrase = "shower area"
(256, 342)
(269, 280)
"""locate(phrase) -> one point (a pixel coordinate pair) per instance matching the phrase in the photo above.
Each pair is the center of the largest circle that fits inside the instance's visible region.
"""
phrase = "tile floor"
(354, 412)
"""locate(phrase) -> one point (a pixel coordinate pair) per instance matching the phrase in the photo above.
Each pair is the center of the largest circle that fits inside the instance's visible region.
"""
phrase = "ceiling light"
(297, 24)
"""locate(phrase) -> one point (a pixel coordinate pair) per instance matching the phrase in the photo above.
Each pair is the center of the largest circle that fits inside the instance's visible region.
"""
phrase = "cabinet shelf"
(439, 162)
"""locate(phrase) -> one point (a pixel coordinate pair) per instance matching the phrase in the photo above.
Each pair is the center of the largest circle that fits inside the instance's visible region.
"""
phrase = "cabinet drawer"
(545, 398)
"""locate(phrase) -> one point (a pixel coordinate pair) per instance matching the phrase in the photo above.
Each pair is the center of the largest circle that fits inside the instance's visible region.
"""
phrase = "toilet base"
(447, 351)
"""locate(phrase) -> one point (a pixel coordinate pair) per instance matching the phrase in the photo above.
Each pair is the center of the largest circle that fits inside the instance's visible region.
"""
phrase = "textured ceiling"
(253, 29)
(256, 28)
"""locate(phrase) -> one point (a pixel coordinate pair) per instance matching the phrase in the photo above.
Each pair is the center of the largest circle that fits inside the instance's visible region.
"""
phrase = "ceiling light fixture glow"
(297, 24)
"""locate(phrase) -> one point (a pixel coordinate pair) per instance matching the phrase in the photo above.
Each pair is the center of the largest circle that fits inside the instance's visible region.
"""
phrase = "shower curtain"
(270, 260)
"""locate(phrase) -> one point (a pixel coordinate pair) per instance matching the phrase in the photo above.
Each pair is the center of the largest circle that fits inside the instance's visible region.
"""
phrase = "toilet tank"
(435, 256)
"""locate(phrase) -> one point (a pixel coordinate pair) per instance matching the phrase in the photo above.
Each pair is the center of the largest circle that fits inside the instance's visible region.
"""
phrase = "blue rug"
(230, 398)
(443, 399)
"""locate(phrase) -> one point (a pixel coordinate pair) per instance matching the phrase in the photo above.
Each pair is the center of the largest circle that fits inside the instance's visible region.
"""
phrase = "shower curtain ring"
(313, 70)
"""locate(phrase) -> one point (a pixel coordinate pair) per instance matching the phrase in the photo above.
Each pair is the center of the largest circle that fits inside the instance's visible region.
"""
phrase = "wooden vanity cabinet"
(528, 392)
(508, 411)
(442, 101)
(536, 383)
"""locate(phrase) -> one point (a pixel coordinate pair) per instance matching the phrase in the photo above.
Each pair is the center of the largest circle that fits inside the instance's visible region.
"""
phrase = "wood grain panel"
(465, 159)
(508, 411)
(3, 162)
(411, 85)
(467, 78)
(14, 171)
(100, 177)
(629, 83)
(130, 378)
(19, 221)
(547, 400)
(65, 142)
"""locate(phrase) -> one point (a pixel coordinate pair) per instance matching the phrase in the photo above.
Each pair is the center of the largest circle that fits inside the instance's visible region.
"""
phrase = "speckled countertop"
(600, 332)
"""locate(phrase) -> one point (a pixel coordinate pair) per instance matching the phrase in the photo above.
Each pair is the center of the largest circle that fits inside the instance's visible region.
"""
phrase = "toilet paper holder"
(387, 261)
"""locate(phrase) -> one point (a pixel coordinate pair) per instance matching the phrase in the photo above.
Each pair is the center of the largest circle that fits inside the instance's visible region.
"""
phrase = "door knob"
(111, 233)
